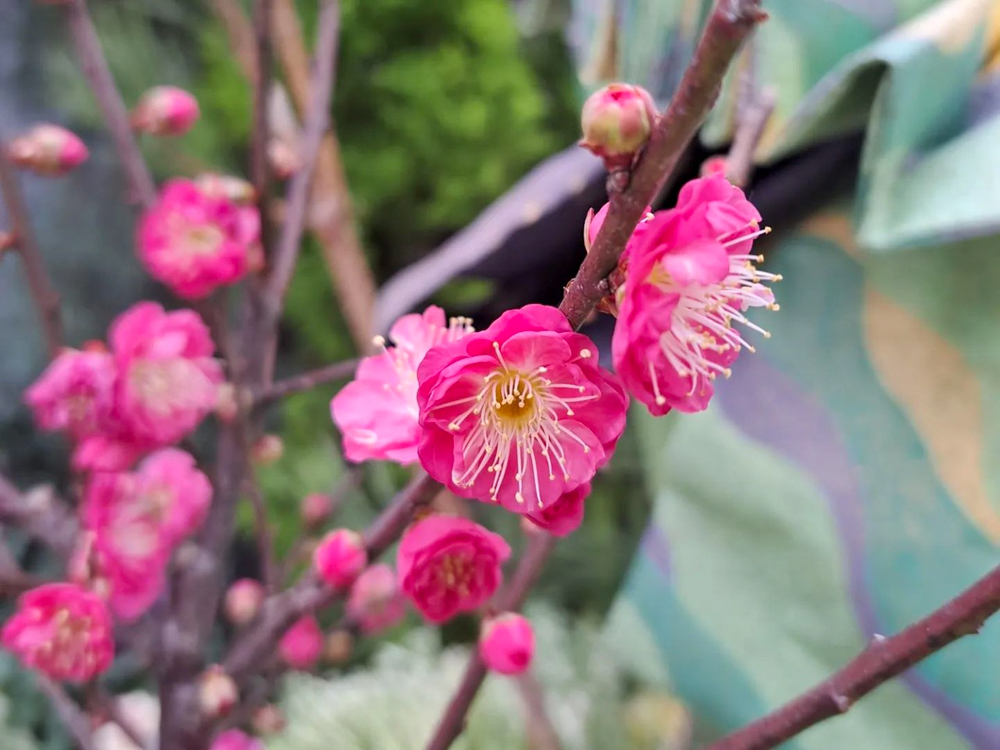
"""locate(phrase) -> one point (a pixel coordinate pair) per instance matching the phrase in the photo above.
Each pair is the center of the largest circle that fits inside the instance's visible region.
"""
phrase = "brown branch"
(261, 80)
(330, 215)
(316, 122)
(727, 28)
(39, 513)
(265, 539)
(884, 659)
(753, 121)
(75, 721)
(43, 293)
(280, 611)
(541, 734)
(95, 69)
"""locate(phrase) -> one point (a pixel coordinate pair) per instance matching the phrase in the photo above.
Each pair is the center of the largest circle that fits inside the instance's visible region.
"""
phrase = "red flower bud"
(47, 150)
(315, 508)
(507, 643)
(217, 693)
(616, 122)
(165, 110)
(243, 600)
(340, 558)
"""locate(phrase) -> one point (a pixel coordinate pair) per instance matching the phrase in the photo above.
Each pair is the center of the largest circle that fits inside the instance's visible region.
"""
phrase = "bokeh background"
(842, 484)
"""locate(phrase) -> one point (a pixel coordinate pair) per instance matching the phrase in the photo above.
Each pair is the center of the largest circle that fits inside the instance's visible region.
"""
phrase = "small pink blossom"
(449, 565)
(565, 515)
(48, 150)
(168, 380)
(117, 451)
(375, 601)
(507, 643)
(340, 557)
(175, 492)
(63, 631)
(519, 414)
(689, 278)
(75, 393)
(302, 644)
(165, 110)
(234, 739)
(243, 601)
(195, 241)
(616, 121)
(377, 412)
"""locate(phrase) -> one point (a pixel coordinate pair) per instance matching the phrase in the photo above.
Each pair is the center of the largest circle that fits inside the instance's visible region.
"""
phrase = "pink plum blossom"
(507, 643)
(63, 631)
(168, 380)
(565, 515)
(165, 110)
(194, 241)
(340, 557)
(302, 644)
(375, 601)
(48, 150)
(234, 739)
(377, 412)
(519, 414)
(75, 394)
(689, 278)
(449, 565)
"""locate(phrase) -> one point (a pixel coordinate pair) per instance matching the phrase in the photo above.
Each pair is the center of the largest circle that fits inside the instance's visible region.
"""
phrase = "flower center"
(454, 572)
(202, 239)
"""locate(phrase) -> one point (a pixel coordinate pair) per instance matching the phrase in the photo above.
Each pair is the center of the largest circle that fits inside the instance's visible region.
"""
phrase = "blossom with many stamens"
(168, 380)
(377, 411)
(691, 276)
(63, 631)
(519, 414)
(449, 565)
(195, 240)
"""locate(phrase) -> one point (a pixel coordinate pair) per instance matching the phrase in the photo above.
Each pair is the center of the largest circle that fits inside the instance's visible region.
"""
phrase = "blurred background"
(840, 486)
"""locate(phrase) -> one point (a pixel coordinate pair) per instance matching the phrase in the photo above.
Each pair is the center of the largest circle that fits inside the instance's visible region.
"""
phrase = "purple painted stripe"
(798, 428)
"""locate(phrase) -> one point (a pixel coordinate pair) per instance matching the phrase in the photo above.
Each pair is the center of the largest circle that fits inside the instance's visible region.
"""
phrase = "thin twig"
(41, 514)
(316, 121)
(884, 659)
(111, 707)
(43, 293)
(541, 734)
(95, 68)
(75, 721)
(753, 121)
(260, 135)
(265, 539)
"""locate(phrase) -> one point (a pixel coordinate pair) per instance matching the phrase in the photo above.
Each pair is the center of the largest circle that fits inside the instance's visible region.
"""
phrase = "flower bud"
(315, 509)
(226, 405)
(236, 189)
(284, 160)
(616, 122)
(268, 719)
(243, 601)
(340, 558)
(165, 110)
(714, 165)
(375, 602)
(268, 449)
(507, 643)
(339, 645)
(302, 644)
(47, 150)
(217, 692)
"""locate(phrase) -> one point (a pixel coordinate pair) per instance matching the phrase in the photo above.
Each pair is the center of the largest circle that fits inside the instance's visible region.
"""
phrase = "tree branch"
(40, 514)
(72, 717)
(43, 293)
(95, 68)
(884, 659)
(261, 80)
(541, 734)
(265, 540)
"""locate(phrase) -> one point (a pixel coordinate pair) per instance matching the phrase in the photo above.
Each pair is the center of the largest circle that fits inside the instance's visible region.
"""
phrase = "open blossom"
(302, 644)
(75, 393)
(377, 412)
(137, 518)
(48, 150)
(375, 601)
(234, 739)
(165, 110)
(63, 631)
(449, 565)
(690, 278)
(519, 414)
(168, 380)
(565, 515)
(507, 643)
(195, 240)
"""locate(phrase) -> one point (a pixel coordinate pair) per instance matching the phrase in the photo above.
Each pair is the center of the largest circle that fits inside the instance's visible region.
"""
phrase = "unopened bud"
(714, 165)
(302, 644)
(243, 601)
(284, 160)
(226, 405)
(165, 110)
(268, 719)
(338, 648)
(268, 449)
(48, 150)
(616, 122)
(315, 509)
(507, 643)
(235, 189)
(217, 692)
(340, 557)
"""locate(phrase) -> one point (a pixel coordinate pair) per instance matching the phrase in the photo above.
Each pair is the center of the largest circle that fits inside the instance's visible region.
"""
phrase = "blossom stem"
(884, 659)
(304, 382)
(753, 112)
(75, 721)
(43, 293)
(95, 69)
